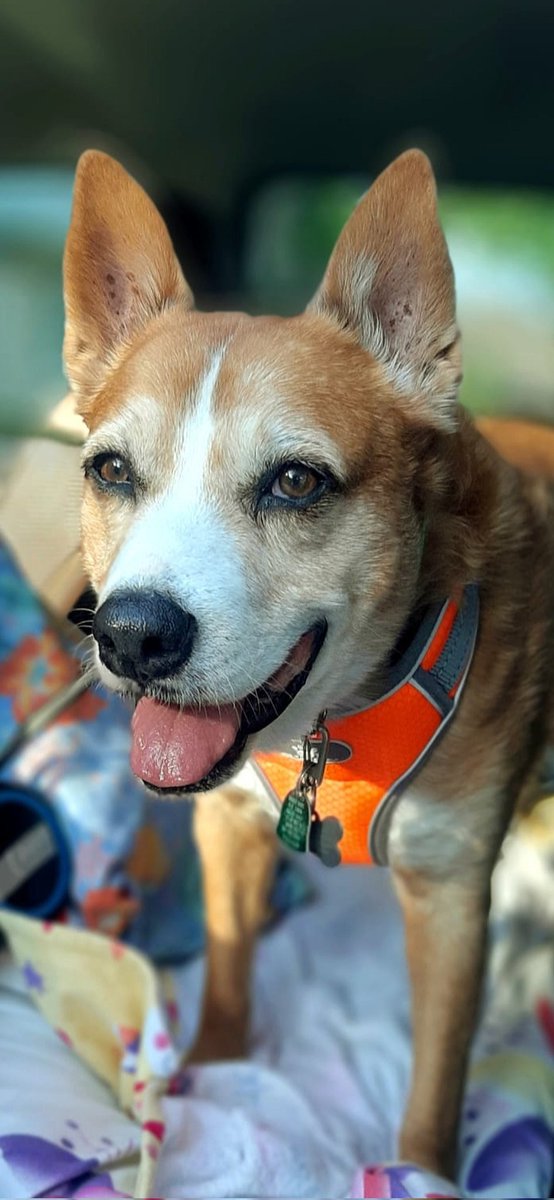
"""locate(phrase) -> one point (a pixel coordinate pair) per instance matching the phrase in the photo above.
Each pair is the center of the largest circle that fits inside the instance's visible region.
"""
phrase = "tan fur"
(238, 849)
(118, 292)
(390, 280)
(368, 378)
(523, 443)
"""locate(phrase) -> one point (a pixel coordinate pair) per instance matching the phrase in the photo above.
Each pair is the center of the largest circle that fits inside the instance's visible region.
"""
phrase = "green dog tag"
(295, 820)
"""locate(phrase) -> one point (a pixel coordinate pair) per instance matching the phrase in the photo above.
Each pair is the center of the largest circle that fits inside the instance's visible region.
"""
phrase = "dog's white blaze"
(178, 541)
(197, 436)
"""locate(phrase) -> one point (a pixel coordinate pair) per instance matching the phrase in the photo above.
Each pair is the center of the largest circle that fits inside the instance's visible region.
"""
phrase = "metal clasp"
(299, 819)
(315, 754)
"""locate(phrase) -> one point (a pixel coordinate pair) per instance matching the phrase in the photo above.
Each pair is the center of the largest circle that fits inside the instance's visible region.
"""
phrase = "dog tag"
(324, 838)
(294, 822)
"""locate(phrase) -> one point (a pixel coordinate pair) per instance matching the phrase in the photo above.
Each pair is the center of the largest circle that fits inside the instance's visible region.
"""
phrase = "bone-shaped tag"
(324, 838)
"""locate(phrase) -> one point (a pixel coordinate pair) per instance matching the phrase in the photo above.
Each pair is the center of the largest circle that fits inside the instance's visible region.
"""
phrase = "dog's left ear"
(390, 281)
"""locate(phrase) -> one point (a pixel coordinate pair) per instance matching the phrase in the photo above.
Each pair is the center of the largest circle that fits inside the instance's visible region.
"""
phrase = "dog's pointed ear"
(120, 271)
(390, 281)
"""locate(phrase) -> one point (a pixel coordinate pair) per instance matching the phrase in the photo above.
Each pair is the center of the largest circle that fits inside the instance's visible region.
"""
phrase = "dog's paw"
(401, 1180)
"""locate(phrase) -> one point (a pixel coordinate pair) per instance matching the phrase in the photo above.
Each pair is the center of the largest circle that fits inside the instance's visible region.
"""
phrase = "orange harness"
(374, 754)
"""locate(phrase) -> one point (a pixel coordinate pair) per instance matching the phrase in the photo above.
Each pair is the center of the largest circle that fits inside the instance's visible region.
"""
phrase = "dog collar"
(374, 754)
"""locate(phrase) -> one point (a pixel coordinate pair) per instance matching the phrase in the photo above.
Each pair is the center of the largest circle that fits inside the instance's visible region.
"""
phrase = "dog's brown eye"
(114, 470)
(296, 482)
(111, 472)
(292, 486)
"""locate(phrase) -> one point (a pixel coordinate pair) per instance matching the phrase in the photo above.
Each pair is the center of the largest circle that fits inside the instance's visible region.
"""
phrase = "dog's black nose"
(143, 635)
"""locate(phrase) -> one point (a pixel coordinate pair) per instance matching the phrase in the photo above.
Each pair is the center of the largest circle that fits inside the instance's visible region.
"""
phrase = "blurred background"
(256, 124)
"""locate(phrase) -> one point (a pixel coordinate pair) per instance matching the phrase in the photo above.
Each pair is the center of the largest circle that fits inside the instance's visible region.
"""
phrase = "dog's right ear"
(120, 271)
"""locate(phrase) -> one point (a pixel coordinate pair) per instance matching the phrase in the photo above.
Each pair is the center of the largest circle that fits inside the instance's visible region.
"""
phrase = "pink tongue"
(175, 747)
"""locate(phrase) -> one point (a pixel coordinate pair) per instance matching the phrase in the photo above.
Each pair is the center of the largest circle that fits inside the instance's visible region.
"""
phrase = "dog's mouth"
(195, 749)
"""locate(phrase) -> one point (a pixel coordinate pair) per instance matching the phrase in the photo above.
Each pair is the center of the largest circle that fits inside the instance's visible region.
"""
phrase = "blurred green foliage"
(502, 246)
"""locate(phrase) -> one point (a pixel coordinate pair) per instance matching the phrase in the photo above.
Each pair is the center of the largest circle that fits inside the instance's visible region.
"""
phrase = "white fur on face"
(252, 591)
(179, 543)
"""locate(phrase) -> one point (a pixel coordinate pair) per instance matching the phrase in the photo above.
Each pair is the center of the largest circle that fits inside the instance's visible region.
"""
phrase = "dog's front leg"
(238, 848)
(445, 925)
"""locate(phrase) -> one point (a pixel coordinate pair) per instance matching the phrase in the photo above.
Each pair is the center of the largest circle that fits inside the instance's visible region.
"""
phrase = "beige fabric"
(65, 423)
(40, 495)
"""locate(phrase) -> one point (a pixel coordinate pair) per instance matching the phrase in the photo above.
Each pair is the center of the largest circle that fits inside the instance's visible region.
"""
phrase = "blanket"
(108, 1111)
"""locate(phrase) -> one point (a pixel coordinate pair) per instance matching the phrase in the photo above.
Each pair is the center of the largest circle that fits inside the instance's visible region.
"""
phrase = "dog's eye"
(293, 486)
(297, 482)
(112, 471)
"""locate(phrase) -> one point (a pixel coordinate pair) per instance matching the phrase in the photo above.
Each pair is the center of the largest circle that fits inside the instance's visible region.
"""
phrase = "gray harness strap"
(450, 671)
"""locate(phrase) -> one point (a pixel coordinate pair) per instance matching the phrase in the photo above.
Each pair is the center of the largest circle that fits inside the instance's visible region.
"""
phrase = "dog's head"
(251, 519)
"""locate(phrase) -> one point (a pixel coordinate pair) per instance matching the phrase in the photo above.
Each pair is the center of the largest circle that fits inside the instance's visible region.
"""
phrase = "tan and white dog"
(255, 500)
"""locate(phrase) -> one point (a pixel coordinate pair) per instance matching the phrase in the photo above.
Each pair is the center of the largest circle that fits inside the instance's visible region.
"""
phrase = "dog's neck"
(474, 519)
(460, 485)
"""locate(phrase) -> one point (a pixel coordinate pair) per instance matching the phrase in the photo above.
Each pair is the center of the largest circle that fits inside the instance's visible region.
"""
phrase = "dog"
(269, 505)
